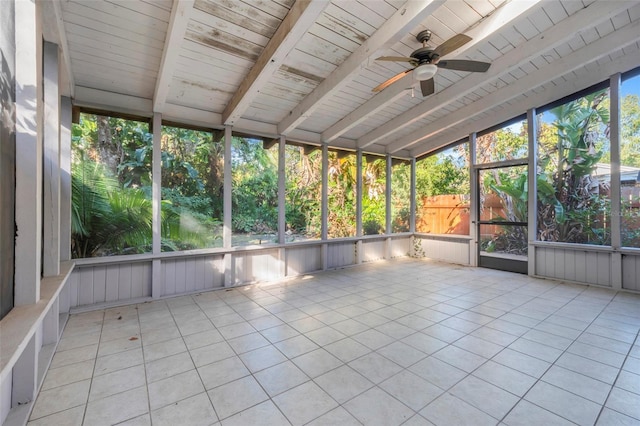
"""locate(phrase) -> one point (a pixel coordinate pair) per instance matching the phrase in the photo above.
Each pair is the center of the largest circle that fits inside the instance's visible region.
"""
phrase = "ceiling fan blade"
(395, 59)
(389, 82)
(427, 87)
(464, 65)
(452, 44)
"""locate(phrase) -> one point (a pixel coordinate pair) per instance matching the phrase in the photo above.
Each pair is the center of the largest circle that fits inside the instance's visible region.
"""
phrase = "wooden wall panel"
(255, 266)
(104, 283)
(303, 259)
(372, 250)
(584, 266)
(448, 250)
(631, 272)
(341, 254)
(400, 247)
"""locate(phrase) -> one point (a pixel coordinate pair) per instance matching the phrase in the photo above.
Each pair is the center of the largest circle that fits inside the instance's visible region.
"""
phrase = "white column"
(614, 134)
(28, 217)
(51, 172)
(282, 220)
(226, 216)
(325, 203)
(387, 207)
(473, 203)
(532, 207)
(157, 279)
(65, 178)
(359, 256)
(412, 202)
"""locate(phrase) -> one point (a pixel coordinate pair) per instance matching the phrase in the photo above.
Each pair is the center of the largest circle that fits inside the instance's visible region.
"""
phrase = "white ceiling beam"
(587, 54)
(180, 15)
(302, 15)
(499, 19)
(621, 65)
(406, 18)
(588, 17)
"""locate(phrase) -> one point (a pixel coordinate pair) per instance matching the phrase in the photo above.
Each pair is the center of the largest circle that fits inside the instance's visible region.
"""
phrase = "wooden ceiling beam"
(590, 53)
(500, 18)
(406, 18)
(178, 22)
(302, 15)
(586, 18)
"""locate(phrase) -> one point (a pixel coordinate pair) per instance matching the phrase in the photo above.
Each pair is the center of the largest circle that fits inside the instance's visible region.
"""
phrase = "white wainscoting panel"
(631, 272)
(400, 247)
(303, 259)
(447, 249)
(189, 274)
(584, 266)
(94, 284)
(341, 254)
(252, 266)
(373, 250)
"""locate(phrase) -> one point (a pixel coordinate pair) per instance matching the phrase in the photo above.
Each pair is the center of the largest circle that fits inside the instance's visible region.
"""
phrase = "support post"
(474, 244)
(28, 69)
(226, 219)
(616, 202)
(532, 188)
(387, 207)
(325, 204)
(282, 220)
(359, 256)
(282, 210)
(157, 278)
(412, 201)
(51, 164)
(65, 178)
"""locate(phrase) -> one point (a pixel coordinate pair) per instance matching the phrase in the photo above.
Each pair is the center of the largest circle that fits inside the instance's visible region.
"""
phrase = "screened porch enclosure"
(204, 198)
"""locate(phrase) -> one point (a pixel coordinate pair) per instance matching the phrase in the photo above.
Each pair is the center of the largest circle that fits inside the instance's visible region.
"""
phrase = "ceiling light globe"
(425, 72)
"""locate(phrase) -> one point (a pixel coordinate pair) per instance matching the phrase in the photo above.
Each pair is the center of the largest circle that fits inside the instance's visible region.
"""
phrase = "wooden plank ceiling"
(305, 68)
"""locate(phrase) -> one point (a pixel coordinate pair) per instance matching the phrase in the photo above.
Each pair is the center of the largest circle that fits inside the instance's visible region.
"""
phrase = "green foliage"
(573, 204)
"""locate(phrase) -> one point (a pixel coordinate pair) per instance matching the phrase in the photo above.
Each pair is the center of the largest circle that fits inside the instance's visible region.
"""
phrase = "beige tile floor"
(408, 341)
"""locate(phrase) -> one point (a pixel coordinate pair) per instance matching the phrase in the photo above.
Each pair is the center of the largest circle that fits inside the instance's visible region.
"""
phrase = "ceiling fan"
(426, 62)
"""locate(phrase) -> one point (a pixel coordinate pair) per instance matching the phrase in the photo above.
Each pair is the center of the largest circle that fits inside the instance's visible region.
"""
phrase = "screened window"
(400, 195)
(574, 171)
(442, 192)
(374, 175)
(254, 194)
(506, 143)
(630, 161)
(341, 193)
(192, 185)
(303, 177)
(111, 187)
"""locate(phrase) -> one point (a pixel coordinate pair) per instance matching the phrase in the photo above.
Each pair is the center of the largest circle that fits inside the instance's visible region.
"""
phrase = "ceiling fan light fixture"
(425, 72)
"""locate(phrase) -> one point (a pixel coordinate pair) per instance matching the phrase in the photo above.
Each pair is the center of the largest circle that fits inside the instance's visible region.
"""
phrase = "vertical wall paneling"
(448, 250)
(198, 275)
(99, 284)
(181, 284)
(85, 286)
(112, 280)
(190, 274)
(137, 276)
(631, 272)
(124, 284)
